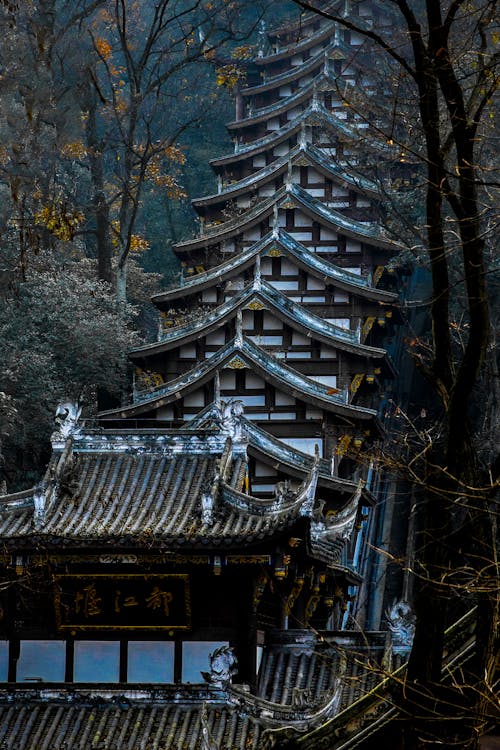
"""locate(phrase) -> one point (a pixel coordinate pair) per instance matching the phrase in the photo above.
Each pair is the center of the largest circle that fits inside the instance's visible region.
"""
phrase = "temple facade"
(200, 569)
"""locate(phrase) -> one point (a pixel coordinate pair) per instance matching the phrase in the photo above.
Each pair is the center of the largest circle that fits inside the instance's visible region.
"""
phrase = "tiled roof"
(369, 709)
(299, 675)
(125, 487)
(371, 233)
(307, 260)
(270, 368)
(308, 663)
(313, 115)
(297, 316)
(95, 719)
(313, 154)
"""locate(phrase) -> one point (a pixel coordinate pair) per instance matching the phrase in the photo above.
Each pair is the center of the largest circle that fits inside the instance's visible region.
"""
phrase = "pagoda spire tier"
(276, 244)
(232, 508)
(306, 125)
(261, 296)
(303, 155)
(238, 354)
(291, 196)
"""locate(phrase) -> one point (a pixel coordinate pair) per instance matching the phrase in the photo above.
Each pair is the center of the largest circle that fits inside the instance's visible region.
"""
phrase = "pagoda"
(196, 571)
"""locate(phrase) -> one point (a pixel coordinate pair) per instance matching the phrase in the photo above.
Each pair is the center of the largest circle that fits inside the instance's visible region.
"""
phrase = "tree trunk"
(100, 204)
(121, 283)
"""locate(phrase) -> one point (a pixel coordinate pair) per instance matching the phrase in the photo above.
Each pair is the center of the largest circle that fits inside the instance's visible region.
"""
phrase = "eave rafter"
(292, 195)
(284, 244)
(268, 297)
(240, 353)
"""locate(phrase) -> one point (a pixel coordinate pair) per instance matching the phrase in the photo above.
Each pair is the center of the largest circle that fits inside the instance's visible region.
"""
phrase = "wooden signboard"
(122, 602)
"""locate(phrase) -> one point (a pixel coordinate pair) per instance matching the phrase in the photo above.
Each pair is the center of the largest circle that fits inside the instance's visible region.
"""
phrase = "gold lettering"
(159, 599)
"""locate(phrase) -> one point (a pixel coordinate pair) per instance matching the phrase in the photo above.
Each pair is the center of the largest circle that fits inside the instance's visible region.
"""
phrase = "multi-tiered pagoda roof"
(232, 506)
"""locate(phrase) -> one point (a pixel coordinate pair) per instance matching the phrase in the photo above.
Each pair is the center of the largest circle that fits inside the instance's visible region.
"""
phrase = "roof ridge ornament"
(40, 503)
(223, 665)
(401, 621)
(238, 338)
(207, 740)
(217, 394)
(208, 500)
(310, 483)
(66, 419)
(257, 278)
(303, 136)
(230, 417)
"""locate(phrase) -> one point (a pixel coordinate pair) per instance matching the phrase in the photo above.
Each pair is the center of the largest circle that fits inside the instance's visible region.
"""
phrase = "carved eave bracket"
(229, 415)
(339, 526)
(302, 715)
(39, 506)
(401, 622)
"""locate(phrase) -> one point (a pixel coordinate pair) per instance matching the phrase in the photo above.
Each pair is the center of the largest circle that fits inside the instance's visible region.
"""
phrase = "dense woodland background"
(109, 113)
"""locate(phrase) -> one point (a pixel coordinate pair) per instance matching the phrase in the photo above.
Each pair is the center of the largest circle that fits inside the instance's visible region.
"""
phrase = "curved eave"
(305, 19)
(255, 529)
(261, 144)
(277, 108)
(295, 49)
(309, 323)
(317, 114)
(273, 451)
(289, 76)
(308, 261)
(313, 207)
(351, 228)
(230, 228)
(316, 158)
(266, 507)
(268, 367)
(207, 279)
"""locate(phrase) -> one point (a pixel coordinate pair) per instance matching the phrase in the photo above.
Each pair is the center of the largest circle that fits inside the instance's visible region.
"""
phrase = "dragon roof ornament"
(66, 418)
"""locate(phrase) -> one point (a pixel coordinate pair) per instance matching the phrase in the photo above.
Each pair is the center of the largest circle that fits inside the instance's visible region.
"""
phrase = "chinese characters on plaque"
(104, 602)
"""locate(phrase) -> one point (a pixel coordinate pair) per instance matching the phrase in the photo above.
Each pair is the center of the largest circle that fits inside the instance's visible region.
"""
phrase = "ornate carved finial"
(257, 279)
(289, 180)
(276, 227)
(207, 506)
(217, 397)
(39, 500)
(302, 135)
(315, 100)
(262, 43)
(238, 339)
(283, 492)
(336, 38)
(326, 65)
(207, 740)
(67, 416)
(401, 621)
(223, 665)
(232, 412)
